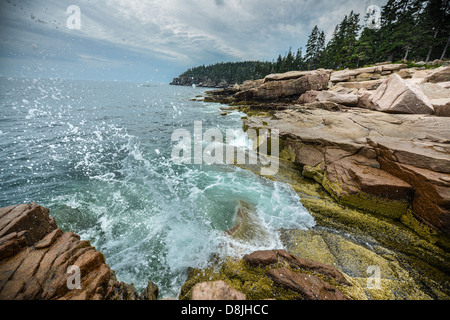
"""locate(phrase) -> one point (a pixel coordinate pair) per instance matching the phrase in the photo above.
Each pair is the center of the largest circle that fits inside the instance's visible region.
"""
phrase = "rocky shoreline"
(204, 82)
(368, 152)
(385, 150)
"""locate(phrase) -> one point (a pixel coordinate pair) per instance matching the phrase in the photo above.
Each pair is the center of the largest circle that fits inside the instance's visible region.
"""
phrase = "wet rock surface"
(38, 261)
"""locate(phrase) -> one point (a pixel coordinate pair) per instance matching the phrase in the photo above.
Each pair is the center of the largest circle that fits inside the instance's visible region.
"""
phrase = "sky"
(155, 40)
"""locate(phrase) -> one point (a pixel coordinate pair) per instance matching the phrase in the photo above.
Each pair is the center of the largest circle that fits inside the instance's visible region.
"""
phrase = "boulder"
(286, 89)
(350, 100)
(247, 225)
(434, 91)
(250, 84)
(445, 85)
(308, 97)
(291, 75)
(364, 97)
(271, 257)
(406, 73)
(364, 74)
(36, 261)
(416, 81)
(215, 290)
(425, 165)
(441, 107)
(308, 286)
(396, 95)
(421, 74)
(441, 74)
(150, 293)
(347, 74)
(261, 276)
(368, 85)
(394, 67)
(354, 182)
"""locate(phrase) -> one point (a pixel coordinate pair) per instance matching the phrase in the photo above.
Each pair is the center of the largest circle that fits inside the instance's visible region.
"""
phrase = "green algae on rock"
(253, 281)
(364, 177)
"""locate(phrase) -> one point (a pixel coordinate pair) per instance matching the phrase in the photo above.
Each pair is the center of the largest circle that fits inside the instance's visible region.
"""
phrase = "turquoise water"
(98, 154)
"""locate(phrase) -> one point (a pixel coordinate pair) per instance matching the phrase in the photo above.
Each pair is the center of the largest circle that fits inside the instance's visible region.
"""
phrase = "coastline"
(363, 173)
(365, 216)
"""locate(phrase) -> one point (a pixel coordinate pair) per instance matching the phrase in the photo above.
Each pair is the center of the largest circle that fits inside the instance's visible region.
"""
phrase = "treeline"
(230, 72)
(413, 30)
(408, 30)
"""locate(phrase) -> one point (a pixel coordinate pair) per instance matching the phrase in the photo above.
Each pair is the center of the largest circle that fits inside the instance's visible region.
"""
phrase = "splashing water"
(98, 155)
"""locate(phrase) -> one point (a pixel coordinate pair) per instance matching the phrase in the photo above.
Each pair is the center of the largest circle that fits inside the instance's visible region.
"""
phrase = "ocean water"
(98, 155)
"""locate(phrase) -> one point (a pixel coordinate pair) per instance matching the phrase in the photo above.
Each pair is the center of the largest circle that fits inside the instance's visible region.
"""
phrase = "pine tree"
(400, 29)
(328, 59)
(288, 62)
(299, 62)
(351, 28)
(435, 27)
(314, 48)
(342, 49)
(311, 48)
(366, 47)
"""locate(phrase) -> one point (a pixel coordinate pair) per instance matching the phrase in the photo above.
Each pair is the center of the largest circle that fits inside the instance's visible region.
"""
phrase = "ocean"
(98, 155)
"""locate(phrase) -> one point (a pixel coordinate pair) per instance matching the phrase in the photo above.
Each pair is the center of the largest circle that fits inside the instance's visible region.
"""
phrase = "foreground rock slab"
(271, 274)
(38, 261)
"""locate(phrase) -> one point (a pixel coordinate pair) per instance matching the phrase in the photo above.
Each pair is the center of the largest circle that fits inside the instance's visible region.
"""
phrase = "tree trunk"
(445, 49)
(406, 54)
(431, 46)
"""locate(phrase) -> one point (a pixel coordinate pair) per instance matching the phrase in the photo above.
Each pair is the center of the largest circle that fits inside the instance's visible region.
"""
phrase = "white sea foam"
(111, 166)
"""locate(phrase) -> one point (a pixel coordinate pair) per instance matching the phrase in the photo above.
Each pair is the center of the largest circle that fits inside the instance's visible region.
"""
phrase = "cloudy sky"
(155, 40)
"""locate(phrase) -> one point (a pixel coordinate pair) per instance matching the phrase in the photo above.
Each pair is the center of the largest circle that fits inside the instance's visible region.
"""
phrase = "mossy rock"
(355, 257)
(392, 209)
(428, 263)
(248, 226)
(425, 231)
(317, 173)
(369, 203)
(250, 281)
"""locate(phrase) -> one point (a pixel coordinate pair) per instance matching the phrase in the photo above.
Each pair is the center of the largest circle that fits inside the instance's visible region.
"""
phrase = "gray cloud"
(220, 2)
(173, 32)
